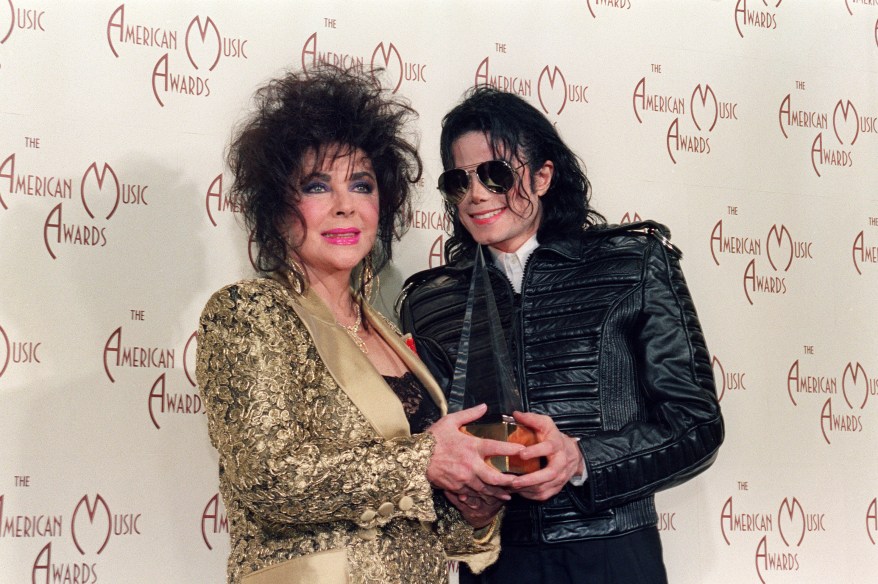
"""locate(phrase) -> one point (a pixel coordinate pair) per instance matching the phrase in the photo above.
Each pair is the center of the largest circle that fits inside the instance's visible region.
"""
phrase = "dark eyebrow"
(327, 178)
(363, 174)
(318, 175)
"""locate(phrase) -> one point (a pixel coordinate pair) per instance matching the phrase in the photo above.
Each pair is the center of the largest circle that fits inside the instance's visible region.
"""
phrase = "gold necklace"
(353, 329)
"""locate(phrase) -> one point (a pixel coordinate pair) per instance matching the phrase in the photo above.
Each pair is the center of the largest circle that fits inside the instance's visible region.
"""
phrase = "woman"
(327, 425)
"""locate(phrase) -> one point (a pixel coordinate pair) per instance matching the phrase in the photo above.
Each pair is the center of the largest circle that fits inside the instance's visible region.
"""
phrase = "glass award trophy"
(483, 373)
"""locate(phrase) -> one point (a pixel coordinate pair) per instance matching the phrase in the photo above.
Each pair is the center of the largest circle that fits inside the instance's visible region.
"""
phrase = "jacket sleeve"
(684, 426)
(292, 448)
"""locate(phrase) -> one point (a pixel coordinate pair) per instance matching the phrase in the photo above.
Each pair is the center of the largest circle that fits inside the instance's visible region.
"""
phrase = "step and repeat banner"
(749, 127)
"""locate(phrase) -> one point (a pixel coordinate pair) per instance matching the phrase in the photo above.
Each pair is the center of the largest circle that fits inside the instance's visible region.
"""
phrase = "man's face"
(503, 222)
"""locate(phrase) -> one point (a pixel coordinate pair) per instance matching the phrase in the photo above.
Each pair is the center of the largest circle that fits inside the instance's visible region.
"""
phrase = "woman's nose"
(343, 203)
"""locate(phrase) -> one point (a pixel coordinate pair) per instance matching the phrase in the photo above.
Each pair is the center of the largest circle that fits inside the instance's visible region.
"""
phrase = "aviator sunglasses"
(497, 176)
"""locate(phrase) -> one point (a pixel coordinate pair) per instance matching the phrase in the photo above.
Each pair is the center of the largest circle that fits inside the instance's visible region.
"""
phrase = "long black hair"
(519, 130)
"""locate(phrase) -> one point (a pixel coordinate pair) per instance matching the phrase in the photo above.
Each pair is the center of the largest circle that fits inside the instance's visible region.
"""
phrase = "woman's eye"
(364, 187)
(314, 187)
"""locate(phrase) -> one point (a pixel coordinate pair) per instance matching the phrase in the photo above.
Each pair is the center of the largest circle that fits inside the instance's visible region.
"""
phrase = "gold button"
(368, 515)
(385, 509)
(405, 503)
(368, 534)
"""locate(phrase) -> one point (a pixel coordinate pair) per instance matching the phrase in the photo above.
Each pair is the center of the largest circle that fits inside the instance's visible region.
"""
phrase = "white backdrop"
(748, 126)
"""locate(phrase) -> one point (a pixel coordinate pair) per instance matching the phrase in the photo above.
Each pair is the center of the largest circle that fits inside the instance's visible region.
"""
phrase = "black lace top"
(419, 407)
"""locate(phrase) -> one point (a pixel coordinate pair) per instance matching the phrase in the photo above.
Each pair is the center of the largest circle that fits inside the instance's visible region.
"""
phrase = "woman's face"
(339, 206)
(502, 222)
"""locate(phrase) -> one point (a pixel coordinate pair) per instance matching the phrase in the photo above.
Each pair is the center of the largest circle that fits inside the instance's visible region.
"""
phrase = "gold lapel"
(350, 368)
(415, 365)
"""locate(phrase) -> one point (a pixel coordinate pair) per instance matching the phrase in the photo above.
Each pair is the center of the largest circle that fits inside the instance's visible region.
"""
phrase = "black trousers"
(633, 558)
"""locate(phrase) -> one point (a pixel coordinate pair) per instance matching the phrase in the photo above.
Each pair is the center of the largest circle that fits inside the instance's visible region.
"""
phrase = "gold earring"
(368, 278)
(296, 275)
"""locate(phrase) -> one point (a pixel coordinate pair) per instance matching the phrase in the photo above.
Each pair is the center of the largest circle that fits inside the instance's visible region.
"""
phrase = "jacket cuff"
(414, 500)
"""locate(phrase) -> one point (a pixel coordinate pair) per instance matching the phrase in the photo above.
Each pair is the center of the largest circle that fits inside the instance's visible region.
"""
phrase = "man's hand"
(561, 451)
(458, 461)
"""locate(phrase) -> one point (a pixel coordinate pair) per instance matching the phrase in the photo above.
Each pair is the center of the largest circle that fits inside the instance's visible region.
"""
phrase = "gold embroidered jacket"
(321, 479)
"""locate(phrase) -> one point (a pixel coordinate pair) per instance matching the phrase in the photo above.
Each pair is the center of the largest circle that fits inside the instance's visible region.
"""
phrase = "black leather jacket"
(606, 342)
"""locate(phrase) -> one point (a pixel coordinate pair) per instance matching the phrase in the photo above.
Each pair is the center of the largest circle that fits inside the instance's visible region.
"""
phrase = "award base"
(506, 431)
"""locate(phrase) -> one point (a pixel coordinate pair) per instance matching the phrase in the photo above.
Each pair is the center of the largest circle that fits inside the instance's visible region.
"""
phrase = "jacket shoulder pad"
(648, 228)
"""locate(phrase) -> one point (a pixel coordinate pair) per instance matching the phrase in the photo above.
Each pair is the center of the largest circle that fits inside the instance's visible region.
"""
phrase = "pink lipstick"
(342, 236)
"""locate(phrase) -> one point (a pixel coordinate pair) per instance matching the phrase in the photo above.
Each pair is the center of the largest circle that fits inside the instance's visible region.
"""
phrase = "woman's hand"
(458, 461)
(478, 511)
(562, 452)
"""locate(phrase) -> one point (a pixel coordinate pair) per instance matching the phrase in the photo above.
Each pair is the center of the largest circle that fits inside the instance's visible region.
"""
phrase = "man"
(608, 352)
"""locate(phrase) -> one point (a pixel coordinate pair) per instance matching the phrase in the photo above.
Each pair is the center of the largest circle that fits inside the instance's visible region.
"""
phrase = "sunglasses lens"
(496, 175)
(454, 183)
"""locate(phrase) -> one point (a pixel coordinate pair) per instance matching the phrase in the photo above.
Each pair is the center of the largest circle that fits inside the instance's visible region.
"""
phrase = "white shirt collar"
(513, 263)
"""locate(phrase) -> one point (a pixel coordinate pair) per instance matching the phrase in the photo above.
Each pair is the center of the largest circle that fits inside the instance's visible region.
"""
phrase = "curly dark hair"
(519, 130)
(327, 111)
